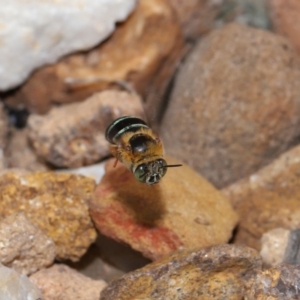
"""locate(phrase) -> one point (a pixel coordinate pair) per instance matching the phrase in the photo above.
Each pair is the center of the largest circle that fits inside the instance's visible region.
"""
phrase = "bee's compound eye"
(140, 173)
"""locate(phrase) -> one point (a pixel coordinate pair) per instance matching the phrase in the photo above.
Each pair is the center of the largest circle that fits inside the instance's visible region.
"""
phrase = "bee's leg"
(114, 151)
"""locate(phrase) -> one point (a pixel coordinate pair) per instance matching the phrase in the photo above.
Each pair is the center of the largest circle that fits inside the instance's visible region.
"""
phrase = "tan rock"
(143, 51)
(182, 211)
(23, 246)
(219, 272)
(285, 16)
(196, 16)
(19, 153)
(235, 104)
(278, 283)
(63, 283)
(74, 135)
(54, 202)
(267, 199)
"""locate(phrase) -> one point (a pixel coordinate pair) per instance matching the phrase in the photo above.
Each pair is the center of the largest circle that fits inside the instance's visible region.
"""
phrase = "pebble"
(77, 139)
(35, 33)
(56, 203)
(23, 246)
(219, 272)
(60, 282)
(268, 199)
(235, 104)
(182, 211)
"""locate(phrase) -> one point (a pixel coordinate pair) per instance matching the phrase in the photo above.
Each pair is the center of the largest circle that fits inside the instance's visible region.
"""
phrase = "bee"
(134, 144)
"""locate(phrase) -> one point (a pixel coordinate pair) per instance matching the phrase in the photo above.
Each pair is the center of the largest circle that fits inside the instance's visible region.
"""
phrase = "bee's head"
(152, 172)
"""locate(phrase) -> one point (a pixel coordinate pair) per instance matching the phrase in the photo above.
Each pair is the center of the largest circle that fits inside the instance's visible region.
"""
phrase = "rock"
(182, 211)
(284, 16)
(219, 272)
(56, 203)
(268, 199)
(273, 246)
(280, 283)
(280, 246)
(24, 247)
(15, 286)
(60, 282)
(73, 135)
(19, 153)
(36, 33)
(230, 76)
(143, 53)
(196, 16)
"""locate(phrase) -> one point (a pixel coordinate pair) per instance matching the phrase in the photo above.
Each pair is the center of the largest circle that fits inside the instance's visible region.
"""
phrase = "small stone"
(212, 121)
(182, 211)
(15, 286)
(273, 247)
(35, 33)
(219, 272)
(56, 203)
(60, 282)
(143, 52)
(74, 135)
(23, 246)
(267, 199)
(19, 153)
(278, 283)
(285, 16)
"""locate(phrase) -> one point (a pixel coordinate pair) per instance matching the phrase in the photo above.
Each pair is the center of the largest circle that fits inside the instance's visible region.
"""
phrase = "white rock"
(34, 32)
(14, 286)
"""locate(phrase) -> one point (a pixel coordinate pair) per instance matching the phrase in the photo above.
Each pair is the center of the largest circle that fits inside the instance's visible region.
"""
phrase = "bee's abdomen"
(123, 125)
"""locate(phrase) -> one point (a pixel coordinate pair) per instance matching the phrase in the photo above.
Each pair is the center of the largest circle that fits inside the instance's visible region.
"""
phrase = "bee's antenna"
(170, 166)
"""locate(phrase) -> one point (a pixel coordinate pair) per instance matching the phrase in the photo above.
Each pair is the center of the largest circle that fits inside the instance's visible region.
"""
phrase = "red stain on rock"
(153, 241)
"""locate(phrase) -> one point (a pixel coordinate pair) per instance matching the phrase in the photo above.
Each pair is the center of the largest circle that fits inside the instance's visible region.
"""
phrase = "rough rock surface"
(23, 246)
(54, 202)
(219, 272)
(74, 135)
(278, 283)
(144, 51)
(268, 199)
(235, 103)
(20, 154)
(183, 210)
(60, 282)
(35, 33)
(14, 286)
(285, 16)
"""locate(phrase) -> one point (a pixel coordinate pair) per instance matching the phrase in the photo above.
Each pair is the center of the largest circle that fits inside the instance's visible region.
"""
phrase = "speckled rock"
(15, 286)
(285, 16)
(60, 282)
(220, 272)
(23, 246)
(235, 103)
(267, 199)
(182, 211)
(73, 135)
(4, 131)
(196, 16)
(280, 283)
(54, 202)
(19, 153)
(143, 51)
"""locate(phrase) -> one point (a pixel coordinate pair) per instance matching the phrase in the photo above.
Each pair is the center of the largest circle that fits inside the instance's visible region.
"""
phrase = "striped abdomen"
(123, 125)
